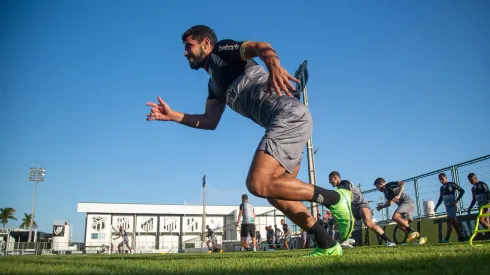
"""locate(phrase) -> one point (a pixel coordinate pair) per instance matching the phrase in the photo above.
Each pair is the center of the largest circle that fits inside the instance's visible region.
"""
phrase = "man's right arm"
(439, 201)
(207, 121)
(473, 201)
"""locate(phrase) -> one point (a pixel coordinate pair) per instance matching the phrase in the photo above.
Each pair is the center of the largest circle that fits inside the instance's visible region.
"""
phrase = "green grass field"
(434, 260)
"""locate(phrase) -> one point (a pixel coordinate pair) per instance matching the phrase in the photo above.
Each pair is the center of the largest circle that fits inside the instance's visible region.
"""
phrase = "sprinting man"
(212, 239)
(239, 82)
(481, 194)
(448, 195)
(360, 206)
(394, 193)
(248, 223)
(286, 235)
(125, 240)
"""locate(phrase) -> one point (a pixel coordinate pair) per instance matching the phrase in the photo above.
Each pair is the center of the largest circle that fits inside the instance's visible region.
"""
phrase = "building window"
(98, 236)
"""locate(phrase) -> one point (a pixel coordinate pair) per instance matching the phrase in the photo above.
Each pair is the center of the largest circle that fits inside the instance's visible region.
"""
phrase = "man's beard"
(197, 61)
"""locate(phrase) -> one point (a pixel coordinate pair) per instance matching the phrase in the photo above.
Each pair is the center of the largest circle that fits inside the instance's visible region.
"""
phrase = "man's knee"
(397, 217)
(258, 186)
(369, 223)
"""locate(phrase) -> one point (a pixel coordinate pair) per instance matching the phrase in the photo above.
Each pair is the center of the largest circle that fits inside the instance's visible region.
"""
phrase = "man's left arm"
(382, 206)
(239, 217)
(279, 77)
(486, 190)
(239, 214)
(402, 189)
(460, 193)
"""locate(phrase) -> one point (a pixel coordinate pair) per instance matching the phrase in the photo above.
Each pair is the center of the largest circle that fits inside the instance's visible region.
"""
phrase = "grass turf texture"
(435, 259)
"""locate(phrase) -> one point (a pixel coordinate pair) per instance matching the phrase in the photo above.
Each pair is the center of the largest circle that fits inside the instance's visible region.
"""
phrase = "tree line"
(7, 214)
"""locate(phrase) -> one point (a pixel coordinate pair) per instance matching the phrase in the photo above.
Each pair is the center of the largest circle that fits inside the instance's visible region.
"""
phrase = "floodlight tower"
(36, 175)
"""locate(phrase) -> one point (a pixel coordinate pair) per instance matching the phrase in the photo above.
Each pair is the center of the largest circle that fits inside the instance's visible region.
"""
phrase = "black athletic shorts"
(246, 229)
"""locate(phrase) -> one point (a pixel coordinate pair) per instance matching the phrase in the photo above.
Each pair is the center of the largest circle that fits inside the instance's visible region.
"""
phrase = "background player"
(212, 240)
(248, 222)
(481, 194)
(448, 195)
(277, 234)
(394, 192)
(271, 238)
(360, 207)
(286, 234)
(258, 238)
(125, 240)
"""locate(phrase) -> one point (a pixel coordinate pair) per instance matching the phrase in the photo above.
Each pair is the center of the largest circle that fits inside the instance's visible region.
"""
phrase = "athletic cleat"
(423, 240)
(444, 241)
(349, 243)
(221, 251)
(209, 251)
(390, 244)
(413, 236)
(322, 252)
(342, 212)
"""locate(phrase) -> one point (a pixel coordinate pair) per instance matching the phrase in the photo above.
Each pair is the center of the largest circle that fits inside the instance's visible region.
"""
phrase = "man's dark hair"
(442, 175)
(244, 197)
(379, 181)
(333, 174)
(470, 175)
(198, 33)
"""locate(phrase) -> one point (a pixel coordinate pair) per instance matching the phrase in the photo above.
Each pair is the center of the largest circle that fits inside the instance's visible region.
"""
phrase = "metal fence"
(231, 242)
(424, 189)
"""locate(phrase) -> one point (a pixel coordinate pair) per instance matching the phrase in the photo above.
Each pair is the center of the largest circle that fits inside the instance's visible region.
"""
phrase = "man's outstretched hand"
(159, 111)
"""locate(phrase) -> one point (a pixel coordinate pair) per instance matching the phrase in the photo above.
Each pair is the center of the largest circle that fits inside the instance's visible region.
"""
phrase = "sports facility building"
(160, 227)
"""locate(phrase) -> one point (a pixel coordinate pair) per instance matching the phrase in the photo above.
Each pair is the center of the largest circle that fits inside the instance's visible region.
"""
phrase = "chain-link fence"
(424, 189)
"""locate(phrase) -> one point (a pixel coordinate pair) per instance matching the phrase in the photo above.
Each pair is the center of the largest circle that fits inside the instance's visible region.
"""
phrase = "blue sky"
(397, 88)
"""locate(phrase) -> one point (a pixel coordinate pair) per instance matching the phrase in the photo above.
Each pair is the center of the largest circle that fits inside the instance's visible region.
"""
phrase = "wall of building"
(165, 227)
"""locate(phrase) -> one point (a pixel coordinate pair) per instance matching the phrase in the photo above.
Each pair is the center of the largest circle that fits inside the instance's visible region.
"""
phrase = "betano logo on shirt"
(228, 47)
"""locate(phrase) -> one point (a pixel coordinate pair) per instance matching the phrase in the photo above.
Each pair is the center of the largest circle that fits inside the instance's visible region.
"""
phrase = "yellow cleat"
(413, 236)
(423, 240)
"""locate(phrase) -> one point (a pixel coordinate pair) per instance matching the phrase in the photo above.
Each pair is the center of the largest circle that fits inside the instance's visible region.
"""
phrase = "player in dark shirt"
(212, 239)
(286, 234)
(481, 194)
(265, 97)
(447, 194)
(394, 193)
(270, 236)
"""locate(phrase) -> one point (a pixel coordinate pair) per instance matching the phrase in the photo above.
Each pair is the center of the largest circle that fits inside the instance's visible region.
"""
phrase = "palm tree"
(26, 222)
(7, 214)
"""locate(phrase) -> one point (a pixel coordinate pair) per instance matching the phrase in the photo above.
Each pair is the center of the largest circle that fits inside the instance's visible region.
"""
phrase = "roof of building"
(175, 209)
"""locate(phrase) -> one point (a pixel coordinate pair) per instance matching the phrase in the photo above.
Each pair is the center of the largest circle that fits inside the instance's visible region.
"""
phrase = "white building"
(157, 227)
